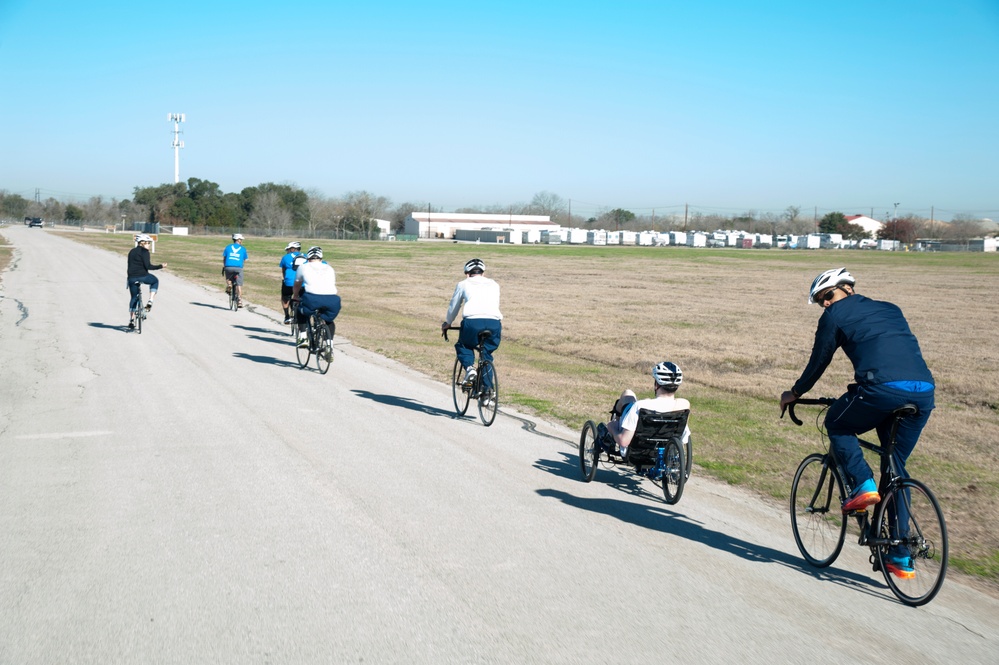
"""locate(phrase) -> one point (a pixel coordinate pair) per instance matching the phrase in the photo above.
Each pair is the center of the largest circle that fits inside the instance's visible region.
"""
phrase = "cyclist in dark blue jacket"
(889, 372)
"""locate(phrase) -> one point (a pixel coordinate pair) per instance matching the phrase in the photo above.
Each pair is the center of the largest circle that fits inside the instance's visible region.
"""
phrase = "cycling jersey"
(234, 256)
(288, 267)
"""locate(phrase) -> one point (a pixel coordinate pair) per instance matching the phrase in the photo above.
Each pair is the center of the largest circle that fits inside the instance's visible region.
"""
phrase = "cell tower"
(176, 119)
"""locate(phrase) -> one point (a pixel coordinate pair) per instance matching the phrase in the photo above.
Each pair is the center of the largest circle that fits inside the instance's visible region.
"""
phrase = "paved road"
(190, 496)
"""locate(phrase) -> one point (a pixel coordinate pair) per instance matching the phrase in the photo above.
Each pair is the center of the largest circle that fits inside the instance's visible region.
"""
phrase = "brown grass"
(581, 323)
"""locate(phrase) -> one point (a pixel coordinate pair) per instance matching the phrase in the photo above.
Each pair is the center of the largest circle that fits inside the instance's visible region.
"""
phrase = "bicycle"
(320, 342)
(293, 315)
(137, 309)
(819, 524)
(231, 280)
(463, 392)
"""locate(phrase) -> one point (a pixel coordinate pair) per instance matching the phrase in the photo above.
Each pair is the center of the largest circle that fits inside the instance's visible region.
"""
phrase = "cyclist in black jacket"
(139, 266)
(889, 372)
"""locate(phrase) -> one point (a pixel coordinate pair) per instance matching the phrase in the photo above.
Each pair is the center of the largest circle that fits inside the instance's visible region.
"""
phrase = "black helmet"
(475, 265)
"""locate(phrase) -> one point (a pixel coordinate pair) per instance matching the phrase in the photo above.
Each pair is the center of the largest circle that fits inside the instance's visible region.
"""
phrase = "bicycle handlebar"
(444, 331)
(817, 401)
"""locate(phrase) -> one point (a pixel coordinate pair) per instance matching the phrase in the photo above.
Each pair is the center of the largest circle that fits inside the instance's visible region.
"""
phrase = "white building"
(872, 226)
(443, 225)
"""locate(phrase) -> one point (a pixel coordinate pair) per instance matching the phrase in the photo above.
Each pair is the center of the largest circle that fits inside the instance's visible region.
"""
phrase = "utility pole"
(176, 119)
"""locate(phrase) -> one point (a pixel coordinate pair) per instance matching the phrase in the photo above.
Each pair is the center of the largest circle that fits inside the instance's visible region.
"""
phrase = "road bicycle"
(233, 295)
(484, 388)
(908, 517)
(293, 315)
(137, 309)
(320, 344)
(656, 452)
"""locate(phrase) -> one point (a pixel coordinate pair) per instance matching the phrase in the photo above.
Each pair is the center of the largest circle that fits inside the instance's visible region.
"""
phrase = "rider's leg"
(154, 286)
(849, 416)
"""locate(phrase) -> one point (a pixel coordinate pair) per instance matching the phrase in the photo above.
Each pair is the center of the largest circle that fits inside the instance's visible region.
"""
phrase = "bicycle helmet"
(829, 278)
(237, 236)
(315, 253)
(667, 375)
(142, 237)
(475, 266)
(293, 245)
(313, 249)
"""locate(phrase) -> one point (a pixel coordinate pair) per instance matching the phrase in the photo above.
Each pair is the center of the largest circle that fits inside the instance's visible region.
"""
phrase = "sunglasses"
(828, 295)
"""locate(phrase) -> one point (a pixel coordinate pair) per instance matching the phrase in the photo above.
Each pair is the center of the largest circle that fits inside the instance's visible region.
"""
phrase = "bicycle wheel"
(488, 397)
(922, 533)
(674, 476)
(589, 451)
(293, 314)
(324, 348)
(458, 391)
(688, 457)
(303, 353)
(817, 518)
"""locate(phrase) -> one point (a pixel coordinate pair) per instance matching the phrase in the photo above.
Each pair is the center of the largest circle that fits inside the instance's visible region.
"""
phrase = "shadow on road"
(108, 326)
(660, 518)
(210, 306)
(267, 360)
(267, 331)
(404, 402)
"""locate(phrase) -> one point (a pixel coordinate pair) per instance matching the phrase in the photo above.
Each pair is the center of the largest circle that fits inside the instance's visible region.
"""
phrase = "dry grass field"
(581, 323)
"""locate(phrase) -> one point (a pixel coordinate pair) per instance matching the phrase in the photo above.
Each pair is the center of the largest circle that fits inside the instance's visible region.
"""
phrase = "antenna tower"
(176, 119)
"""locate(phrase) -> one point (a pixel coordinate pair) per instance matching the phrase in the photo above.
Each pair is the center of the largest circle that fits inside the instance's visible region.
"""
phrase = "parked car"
(36, 221)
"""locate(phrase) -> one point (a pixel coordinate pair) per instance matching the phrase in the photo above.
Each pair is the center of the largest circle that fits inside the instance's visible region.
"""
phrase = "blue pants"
(135, 285)
(468, 339)
(864, 408)
(327, 306)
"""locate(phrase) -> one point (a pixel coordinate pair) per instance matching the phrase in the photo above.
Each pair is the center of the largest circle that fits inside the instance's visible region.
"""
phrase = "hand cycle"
(320, 342)
(485, 375)
(819, 524)
(137, 310)
(656, 452)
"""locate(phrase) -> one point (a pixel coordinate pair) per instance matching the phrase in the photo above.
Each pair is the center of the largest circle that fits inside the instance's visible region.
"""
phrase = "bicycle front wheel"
(233, 298)
(458, 390)
(488, 396)
(324, 348)
(675, 474)
(589, 451)
(817, 518)
(921, 534)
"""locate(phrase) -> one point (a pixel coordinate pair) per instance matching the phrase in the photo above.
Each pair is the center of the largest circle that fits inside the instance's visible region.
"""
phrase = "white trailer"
(613, 237)
(678, 237)
(697, 239)
(575, 236)
(531, 236)
(646, 238)
(596, 237)
(629, 238)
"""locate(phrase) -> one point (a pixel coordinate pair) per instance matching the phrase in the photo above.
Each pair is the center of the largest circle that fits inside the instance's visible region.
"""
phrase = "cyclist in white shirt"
(478, 299)
(318, 279)
(668, 377)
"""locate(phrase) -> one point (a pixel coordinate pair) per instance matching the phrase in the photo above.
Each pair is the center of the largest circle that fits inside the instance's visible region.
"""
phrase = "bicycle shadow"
(107, 326)
(404, 402)
(284, 340)
(269, 331)
(210, 306)
(266, 360)
(619, 477)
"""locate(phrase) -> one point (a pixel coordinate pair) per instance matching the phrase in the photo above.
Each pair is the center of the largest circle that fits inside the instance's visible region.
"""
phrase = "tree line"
(278, 209)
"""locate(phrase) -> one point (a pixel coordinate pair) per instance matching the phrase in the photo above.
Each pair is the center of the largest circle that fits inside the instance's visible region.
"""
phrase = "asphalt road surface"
(189, 495)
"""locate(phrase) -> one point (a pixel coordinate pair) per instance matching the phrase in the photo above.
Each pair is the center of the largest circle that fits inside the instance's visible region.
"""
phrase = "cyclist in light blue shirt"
(233, 258)
(288, 271)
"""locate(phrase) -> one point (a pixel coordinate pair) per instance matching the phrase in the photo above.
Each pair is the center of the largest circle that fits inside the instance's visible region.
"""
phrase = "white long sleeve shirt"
(480, 296)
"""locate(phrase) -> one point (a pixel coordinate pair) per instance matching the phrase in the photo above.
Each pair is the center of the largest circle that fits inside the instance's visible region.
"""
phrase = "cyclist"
(481, 298)
(667, 378)
(318, 280)
(288, 269)
(138, 274)
(889, 371)
(233, 258)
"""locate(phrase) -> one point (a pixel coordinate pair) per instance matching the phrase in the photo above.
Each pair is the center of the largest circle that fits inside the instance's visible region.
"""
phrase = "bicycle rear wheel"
(674, 476)
(817, 518)
(922, 534)
(293, 314)
(458, 391)
(324, 347)
(233, 298)
(488, 397)
(589, 451)
(303, 353)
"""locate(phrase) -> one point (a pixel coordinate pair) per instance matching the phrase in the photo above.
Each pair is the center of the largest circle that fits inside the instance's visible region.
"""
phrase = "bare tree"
(269, 215)
(547, 203)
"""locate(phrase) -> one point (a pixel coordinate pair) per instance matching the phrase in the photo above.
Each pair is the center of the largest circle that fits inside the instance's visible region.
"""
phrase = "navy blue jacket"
(875, 337)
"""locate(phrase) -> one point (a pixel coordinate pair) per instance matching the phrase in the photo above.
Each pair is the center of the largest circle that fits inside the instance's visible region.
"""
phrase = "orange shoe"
(864, 496)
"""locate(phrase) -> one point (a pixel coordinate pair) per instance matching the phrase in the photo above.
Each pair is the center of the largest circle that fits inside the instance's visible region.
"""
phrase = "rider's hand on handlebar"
(786, 397)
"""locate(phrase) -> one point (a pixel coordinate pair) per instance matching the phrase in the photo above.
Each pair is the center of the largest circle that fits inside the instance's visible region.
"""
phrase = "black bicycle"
(231, 289)
(907, 519)
(320, 343)
(484, 388)
(293, 314)
(137, 311)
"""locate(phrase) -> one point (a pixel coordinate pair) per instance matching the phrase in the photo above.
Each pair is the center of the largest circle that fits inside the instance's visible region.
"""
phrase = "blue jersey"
(288, 267)
(234, 256)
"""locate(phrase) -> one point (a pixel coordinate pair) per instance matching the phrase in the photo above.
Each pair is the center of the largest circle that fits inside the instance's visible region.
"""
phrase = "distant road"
(190, 496)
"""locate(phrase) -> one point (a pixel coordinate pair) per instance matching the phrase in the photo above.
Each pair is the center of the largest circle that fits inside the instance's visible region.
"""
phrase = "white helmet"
(237, 236)
(315, 253)
(668, 375)
(293, 245)
(142, 237)
(828, 279)
(475, 265)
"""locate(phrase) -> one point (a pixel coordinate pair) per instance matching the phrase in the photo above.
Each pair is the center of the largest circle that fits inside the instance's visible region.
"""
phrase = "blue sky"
(725, 106)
